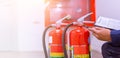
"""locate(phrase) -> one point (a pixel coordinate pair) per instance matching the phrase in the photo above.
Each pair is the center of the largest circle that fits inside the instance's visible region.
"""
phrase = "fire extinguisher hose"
(44, 42)
(63, 40)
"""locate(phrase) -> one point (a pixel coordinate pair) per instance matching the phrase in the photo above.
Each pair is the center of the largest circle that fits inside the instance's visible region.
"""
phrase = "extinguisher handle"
(60, 20)
(81, 19)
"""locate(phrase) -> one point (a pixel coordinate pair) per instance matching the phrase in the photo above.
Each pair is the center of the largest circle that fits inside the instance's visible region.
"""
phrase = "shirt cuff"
(115, 37)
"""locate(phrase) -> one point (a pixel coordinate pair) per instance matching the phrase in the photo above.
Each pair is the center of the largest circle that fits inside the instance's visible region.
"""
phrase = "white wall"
(8, 25)
(108, 8)
(30, 25)
(21, 25)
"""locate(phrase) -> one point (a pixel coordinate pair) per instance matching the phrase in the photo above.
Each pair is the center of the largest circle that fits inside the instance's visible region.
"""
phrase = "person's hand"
(101, 33)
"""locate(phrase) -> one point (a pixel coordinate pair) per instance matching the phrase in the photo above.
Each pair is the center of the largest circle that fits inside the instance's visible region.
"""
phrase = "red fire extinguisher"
(78, 40)
(55, 40)
(55, 43)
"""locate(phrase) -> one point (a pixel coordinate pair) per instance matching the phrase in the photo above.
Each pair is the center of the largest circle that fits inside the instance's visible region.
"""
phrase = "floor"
(21, 55)
(95, 54)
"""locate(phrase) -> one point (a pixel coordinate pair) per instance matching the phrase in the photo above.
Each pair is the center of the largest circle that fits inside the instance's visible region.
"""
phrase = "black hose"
(44, 42)
(63, 40)
(89, 48)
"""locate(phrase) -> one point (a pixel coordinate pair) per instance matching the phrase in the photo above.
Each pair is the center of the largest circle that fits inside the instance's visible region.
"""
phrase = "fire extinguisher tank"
(79, 42)
(55, 43)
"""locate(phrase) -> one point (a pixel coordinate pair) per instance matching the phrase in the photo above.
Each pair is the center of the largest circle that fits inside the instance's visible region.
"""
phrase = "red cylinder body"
(55, 43)
(79, 42)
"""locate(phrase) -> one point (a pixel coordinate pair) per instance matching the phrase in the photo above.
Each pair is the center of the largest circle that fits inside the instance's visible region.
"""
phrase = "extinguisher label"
(82, 56)
(50, 39)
